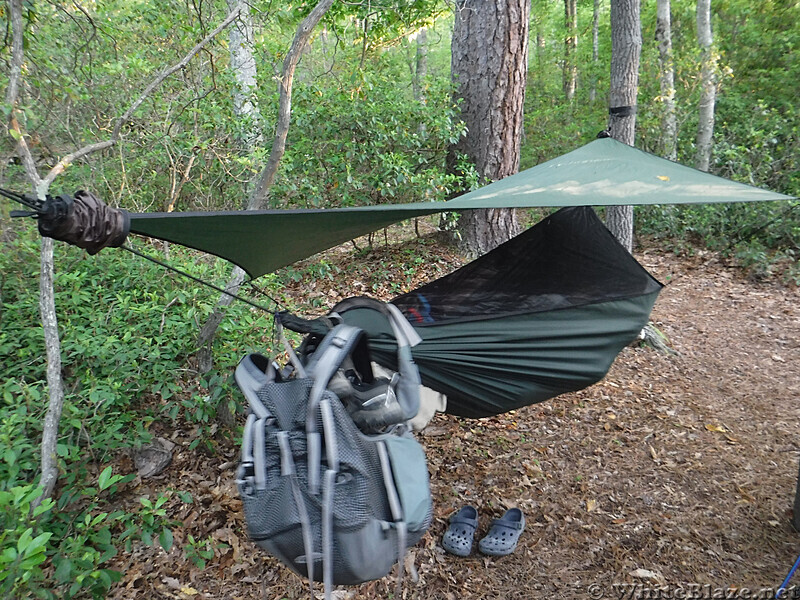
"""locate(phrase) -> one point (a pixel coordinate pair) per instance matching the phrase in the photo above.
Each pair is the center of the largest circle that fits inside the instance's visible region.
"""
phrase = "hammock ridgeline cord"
(203, 282)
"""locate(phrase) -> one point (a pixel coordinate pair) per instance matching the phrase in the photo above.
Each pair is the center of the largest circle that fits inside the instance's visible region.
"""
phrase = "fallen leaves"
(716, 428)
(698, 469)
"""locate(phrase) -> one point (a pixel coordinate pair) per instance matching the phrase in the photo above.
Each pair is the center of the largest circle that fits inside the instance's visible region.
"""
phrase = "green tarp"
(601, 173)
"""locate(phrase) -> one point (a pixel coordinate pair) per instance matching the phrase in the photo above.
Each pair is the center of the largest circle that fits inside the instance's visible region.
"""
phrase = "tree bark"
(626, 47)
(570, 71)
(55, 384)
(669, 122)
(595, 49)
(421, 65)
(489, 65)
(708, 93)
(245, 73)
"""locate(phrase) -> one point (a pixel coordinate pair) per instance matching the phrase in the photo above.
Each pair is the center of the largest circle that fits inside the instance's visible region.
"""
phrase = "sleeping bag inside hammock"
(543, 314)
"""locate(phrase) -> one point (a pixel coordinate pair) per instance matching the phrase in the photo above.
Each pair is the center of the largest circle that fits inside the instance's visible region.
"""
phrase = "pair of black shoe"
(501, 540)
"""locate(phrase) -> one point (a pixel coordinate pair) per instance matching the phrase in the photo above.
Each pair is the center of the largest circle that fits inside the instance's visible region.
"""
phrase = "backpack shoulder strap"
(323, 364)
(253, 372)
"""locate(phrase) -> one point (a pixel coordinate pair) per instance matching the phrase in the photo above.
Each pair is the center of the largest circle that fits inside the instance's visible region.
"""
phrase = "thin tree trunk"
(669, 122)
(55, 384)
(541, 44)
(418, 80)
(47, 308)
(205, 339)
(245, 73)
(708, 94)
(259, 198)
(246, 110)
(489, 65)
(595, 49)
(570, 70)
(626, 47)
(421, 67)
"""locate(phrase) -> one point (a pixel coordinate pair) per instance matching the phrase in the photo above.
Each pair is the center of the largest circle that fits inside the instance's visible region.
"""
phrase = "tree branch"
(62, 164)
(12, 95)
(261, 192)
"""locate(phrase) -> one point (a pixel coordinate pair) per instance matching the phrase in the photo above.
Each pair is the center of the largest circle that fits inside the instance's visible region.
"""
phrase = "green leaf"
(103, 536)
(64, 570)
(24, 540)
(166, 539)
(105, 480)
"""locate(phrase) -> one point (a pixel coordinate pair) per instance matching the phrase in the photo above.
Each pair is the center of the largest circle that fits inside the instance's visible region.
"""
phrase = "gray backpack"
(323, 494)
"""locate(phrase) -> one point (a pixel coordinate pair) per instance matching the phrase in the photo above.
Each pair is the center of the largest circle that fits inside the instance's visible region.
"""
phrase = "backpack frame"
(319, 493)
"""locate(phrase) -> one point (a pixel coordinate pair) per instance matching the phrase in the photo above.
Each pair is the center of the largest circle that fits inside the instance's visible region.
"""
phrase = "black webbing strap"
(622, 111)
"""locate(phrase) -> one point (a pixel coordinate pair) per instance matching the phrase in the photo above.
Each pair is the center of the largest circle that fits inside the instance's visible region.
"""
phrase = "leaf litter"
(674, 470)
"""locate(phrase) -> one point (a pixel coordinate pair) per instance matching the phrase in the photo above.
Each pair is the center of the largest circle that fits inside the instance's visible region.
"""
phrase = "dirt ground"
(673, 473)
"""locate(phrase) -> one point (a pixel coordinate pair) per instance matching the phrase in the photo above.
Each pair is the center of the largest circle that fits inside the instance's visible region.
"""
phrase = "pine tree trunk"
(626, 47)
(708, 94)
(570, 71)
(669, 122)
(489, 66)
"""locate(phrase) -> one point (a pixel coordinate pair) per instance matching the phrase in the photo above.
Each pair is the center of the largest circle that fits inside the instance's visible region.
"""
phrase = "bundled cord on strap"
(89, 223)
(84, 220)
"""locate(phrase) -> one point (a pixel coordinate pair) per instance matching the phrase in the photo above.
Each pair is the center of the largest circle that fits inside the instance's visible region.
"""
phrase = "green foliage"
(368, 142)
(23, 544)
(129, 328)
(757, 122)
(199, 552)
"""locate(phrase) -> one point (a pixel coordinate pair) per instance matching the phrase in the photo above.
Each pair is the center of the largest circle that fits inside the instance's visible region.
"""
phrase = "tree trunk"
(421, 66)
(55, 385)
(259, 198)
(708, 77)
(489, 65)
(541, 44)
(47, 308)
(669, 123)
(246, 110)
(626, 47)
(245, 73)
(570, 71)
(595, 49)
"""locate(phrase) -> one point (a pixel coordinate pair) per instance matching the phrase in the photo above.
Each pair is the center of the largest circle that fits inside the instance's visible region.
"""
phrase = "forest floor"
(673, 473)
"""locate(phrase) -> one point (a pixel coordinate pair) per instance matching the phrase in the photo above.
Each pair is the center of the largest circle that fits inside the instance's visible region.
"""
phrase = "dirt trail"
(674, 471)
